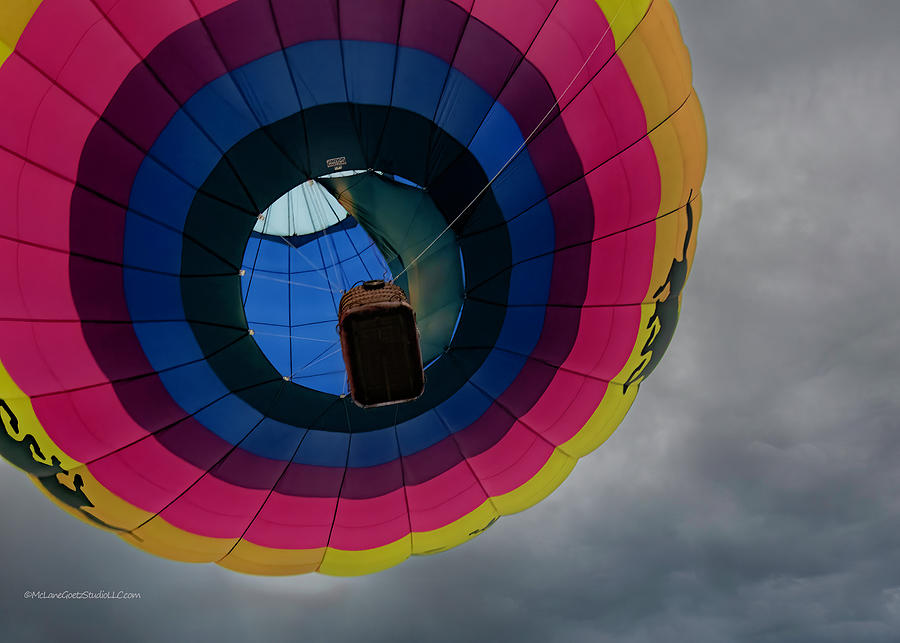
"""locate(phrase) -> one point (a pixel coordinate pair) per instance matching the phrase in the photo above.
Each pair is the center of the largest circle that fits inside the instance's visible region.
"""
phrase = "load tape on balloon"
(139, 145)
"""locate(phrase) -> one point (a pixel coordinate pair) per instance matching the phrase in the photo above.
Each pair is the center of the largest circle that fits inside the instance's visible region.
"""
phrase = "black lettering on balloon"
(485, 528)
(26, 454)
(665, 310)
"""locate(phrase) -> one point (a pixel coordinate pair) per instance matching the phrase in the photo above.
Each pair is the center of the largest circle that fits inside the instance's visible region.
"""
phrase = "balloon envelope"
(169, 366)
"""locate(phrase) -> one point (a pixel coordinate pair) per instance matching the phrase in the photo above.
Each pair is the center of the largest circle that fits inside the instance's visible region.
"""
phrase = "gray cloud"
(750, 494)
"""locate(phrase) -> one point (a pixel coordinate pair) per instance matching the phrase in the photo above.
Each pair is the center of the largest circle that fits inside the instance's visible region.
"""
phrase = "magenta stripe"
(519, 21)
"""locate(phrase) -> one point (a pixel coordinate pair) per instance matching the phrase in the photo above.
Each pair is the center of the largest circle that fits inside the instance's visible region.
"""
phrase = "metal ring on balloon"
(139, 143)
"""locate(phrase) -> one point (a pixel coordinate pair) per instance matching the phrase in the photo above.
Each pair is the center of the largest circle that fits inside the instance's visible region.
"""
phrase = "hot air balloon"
(188, 186)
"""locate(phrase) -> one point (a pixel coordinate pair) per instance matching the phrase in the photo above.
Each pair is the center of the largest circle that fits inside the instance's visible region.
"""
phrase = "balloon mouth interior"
(326, 235)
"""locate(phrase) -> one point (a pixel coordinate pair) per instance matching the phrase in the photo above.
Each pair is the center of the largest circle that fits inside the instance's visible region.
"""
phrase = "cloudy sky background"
(751, 494)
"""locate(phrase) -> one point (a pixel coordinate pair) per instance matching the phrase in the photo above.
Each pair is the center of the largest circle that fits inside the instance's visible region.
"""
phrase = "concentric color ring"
(134, 165)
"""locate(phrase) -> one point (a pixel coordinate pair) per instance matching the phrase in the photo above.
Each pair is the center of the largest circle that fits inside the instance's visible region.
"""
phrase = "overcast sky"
(752, 492)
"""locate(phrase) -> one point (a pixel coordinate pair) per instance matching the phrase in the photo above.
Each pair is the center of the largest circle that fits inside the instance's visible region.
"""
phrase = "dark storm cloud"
(750, 494)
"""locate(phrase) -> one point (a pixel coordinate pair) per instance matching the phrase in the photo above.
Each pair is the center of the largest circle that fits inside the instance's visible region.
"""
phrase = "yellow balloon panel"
(624, 16)
(14, 16)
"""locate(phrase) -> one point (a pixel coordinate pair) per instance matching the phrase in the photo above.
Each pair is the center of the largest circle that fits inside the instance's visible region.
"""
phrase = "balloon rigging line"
(343, 281)
(511, 74)
(262, 275)
(316, 221)
(380, 258)
(318, 359)
(246, 295)
(521, 147)
(316, 268)
(324, 273)
(308, 339)
(292, 282)
(255, 259)
(564, 186)
(259, 324)
(585, 242)
(318, 218)
(311, 375)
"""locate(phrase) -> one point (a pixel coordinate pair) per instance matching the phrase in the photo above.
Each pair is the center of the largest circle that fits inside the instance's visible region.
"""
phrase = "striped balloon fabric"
(187, 186)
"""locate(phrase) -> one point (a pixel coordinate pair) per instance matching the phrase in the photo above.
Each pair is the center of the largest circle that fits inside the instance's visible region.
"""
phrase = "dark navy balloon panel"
(183, 219)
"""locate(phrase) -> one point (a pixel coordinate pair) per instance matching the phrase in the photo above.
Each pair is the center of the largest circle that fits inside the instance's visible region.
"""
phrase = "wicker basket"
(380, 344)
